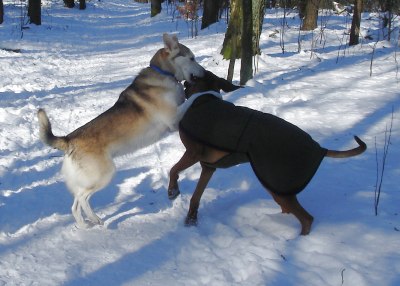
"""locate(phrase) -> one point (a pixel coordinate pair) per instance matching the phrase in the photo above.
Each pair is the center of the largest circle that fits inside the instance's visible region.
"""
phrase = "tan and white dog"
(153, 104)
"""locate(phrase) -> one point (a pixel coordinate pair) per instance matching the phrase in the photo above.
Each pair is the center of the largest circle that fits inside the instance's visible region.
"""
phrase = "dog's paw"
(83, 225)
(88, 224)
(97, 221)
(173, 193)
(190, 221)
(191, 218)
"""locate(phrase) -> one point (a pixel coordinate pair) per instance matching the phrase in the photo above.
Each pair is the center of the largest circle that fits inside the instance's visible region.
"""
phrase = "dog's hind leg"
(84, 177)
(290, 204)
(205, 176)
(279, 202)
(84, 202)
(77, 213)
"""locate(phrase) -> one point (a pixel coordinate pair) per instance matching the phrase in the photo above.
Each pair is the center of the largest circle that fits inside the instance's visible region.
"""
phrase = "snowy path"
(76, 64)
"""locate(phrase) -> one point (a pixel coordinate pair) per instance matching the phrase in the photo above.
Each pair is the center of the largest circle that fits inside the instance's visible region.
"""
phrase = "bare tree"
(355, 24)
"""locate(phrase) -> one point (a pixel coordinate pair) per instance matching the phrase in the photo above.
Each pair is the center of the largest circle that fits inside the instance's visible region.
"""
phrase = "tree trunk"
(302, 8)
(82, 4)
(231, 70)
(69, 3)
(155, 7)
(231, 48)
(355, 23)
(34, 12)
(1, 12)
(258, 19)
(310, 14)
(388, 18)
(246, 69)
(210, 13)
(390, 12)
(232, 38)
(233, 34)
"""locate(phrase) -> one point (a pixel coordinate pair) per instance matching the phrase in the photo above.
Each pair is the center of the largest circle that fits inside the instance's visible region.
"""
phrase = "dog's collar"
(209, 92)
(161, 71)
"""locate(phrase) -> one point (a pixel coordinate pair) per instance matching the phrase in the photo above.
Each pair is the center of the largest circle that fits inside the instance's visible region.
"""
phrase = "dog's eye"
(192, 59)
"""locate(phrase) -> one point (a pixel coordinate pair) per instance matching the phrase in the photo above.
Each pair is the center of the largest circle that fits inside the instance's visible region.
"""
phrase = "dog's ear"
(171, 44)
(226, 85)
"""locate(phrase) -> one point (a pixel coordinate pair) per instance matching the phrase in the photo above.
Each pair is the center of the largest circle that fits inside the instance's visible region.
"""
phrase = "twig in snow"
(343, 40)
(342, 274)
(395, 56)
(372, 58)
(379, 176)
(282, 34)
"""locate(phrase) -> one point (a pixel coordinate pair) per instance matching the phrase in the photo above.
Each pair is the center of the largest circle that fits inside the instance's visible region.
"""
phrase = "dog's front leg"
(180, 112)
(188, 159)
(205, 176)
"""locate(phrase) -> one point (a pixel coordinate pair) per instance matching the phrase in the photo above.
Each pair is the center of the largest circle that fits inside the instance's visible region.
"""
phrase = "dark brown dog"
(219, 135)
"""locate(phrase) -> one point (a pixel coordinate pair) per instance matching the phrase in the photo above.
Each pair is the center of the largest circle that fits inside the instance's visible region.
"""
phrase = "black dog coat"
(283, 157)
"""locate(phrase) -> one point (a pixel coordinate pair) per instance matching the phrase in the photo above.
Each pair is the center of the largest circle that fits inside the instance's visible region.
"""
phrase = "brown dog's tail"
(47, 136)
(348, 153)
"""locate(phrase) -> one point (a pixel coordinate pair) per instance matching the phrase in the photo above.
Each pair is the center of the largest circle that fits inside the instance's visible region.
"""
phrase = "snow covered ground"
(76, 64)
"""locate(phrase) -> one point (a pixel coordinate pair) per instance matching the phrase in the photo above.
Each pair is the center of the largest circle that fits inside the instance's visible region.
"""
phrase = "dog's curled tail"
(348, 153)
(47, 136)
